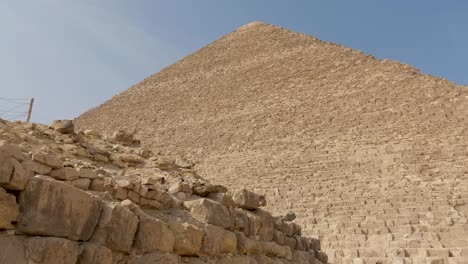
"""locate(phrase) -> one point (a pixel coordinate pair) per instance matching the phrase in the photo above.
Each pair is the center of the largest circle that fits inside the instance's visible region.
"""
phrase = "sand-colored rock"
(12, 250)
(9, 210)
(52, 250)
(188, 238)
(94, 254)
(46, 203)
(116, 228)
(152, 235)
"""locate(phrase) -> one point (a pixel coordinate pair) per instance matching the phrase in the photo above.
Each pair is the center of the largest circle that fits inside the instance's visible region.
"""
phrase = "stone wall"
(70, 197)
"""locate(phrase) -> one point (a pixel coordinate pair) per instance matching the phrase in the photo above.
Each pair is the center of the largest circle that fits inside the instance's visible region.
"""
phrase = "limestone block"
(81, 183)
(180, 187)
(52, 250)
(94, 254)
(211, 212)
(161, 196)
(212, 240)
(12, 250)
(9, 210)
(134, 197)
(97, 185)
(241, 259)
(11, 150)
(152, 235)
(274, 250)
(116, 228)
(265, 231)
(202, 189)
(278, 237)
(87, 173)
(64, 174)
(52, 208)
(229, 242)
(221, 198)
(48, 159)
(20, 177)
(63, 126)
(36, 167)
(321, 256)
(247, 200)
(188, 238)
(155, 258)
(120, 193)
(6, 168)
(300, 257)
(246, 245)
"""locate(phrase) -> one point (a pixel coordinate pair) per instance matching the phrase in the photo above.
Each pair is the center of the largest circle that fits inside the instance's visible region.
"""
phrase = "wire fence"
(14, 108)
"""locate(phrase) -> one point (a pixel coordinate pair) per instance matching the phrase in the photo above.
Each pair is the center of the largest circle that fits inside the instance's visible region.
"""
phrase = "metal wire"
(13, 108)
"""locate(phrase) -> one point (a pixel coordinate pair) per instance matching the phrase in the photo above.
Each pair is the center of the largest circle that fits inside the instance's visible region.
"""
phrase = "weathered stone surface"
(229, 242)
(63, 126)
(64, 174)
(20, 177)
(156, 258)
(300, 257)
(153, 234)
(203, 189)
(11, 150)
(6, 168)
(274, 250)
(52, 250)
(247, 199)
(53, 208)
(211, 212)
(222, 198)
(12, 250)
(94, 254)
(36, 167)
(212, 240)
(81, 183)
(266, 224)
(9, 210)
(116, 228)
(87, 173)
(48, 159)
(246, 245)
(188, 238)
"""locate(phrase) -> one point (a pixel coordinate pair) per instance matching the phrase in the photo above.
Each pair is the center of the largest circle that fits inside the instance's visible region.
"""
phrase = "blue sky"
(75, 54)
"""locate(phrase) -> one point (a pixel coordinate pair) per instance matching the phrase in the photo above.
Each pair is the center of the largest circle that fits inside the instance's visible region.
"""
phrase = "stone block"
(12, 249)
(116, 228)
(247, 199)
(246, 245)
(64, 174)
(188, 238)
(211, 212)
(229, 242)
(63, 126)
(9, 210)
(11, 150)
(37, 167)
(202, 189)
(52, 208)
(212, 240)
(52, 250)
(152, 235)
(154, 258)
(81, 183)
(19, 178)
(6, 168)
(48, 159)
(265, 231)
(94, 254)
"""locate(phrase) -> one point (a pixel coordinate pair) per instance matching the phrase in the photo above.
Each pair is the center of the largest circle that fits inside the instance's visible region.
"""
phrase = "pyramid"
(371, 154)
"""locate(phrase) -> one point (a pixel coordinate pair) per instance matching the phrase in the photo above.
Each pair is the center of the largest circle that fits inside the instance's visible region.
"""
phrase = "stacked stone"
(52, 213)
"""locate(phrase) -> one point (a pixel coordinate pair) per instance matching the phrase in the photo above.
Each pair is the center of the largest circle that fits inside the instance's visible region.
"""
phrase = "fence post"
(31, 103)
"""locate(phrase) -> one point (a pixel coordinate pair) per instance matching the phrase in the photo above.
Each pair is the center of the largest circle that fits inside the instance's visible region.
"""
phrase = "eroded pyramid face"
(370, 154)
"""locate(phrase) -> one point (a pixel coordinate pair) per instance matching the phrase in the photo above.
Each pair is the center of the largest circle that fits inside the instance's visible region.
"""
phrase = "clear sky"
(75, 54)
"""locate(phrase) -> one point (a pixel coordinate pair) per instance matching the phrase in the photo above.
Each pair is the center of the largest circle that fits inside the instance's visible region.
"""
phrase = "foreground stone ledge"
(52, 208)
